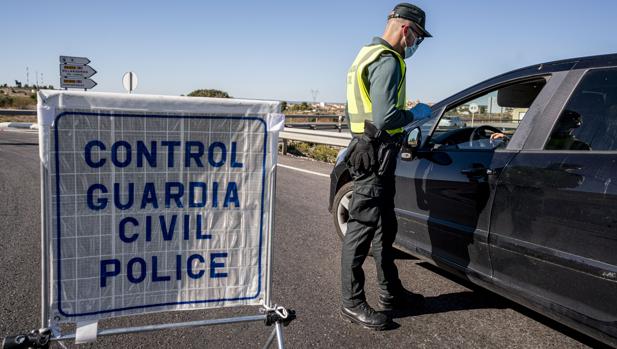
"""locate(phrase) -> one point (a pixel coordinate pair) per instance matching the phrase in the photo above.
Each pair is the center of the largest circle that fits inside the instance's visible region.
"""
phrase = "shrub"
(325, 153)
(23, 102)
(6, 101)
(209, 93)
(314, 151)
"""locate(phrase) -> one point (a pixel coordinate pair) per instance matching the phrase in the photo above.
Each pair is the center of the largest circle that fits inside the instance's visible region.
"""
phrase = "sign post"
(167, 208)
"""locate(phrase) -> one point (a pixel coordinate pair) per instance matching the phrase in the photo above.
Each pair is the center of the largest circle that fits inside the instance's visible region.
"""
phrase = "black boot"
(366, 316)
(401, 299)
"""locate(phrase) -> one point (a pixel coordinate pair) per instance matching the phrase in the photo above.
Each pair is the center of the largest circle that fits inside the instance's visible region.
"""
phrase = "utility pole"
(314, 93)
(27, 76)
(36, 74)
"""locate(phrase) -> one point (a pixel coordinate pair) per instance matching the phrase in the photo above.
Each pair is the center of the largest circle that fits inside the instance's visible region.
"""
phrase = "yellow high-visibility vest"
(359, 105)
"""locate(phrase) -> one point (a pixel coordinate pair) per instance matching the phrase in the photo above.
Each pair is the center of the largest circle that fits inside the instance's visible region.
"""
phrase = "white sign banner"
(156, 203)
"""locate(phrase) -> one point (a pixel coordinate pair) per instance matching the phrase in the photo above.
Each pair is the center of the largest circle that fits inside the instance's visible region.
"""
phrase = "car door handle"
(570, 168)
(478, 171)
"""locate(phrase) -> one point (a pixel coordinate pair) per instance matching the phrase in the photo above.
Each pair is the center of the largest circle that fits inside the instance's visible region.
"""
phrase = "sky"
(281, 50)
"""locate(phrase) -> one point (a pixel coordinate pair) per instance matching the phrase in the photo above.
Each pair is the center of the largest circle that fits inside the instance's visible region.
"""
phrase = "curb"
(24, 125)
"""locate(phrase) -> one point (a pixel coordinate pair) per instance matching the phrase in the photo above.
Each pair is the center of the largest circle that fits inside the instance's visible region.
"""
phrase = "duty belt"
(379, 136)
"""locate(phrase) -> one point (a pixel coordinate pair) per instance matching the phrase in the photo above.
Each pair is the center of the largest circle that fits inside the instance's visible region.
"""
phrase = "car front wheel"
(341, 208)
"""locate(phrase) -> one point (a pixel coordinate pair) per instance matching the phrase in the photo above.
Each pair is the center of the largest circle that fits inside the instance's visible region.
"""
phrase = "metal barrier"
(292, 132)
(311, 136)
(17, 112)
(315, 122)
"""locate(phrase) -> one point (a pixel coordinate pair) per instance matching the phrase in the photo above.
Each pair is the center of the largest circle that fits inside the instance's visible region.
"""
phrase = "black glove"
(360, 156)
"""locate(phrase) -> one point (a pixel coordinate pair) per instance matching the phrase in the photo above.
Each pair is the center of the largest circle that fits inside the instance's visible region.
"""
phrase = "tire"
(340, 208)
(340, 211)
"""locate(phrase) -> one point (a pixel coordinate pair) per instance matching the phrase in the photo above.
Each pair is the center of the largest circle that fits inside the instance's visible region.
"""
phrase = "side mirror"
(411, 144)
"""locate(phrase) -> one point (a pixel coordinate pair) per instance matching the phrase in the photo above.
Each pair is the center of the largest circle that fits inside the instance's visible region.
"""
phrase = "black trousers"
(372, 219)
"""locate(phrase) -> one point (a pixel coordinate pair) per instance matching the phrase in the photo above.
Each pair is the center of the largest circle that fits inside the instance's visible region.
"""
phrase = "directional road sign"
(77, 83)
(76, 70)
(74, 60)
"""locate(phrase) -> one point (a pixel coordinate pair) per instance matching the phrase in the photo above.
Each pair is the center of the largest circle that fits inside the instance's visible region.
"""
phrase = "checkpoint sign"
(156, 211)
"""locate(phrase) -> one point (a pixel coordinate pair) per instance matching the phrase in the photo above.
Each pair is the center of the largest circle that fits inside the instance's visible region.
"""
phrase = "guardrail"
(308, 116)
(292, 132)
(311, 136)
(17, 112)
(315, 122)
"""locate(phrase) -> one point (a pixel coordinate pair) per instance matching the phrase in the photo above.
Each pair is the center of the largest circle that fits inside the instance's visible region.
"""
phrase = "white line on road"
(302, 170)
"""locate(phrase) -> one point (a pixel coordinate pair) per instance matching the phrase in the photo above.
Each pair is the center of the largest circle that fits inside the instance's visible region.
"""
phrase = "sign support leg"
(272, 190)
(270, 339)
(279, 335)
(44, 250)
(278, 325)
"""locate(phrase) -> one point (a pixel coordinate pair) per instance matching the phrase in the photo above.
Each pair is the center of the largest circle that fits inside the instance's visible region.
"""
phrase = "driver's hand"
(496, 136)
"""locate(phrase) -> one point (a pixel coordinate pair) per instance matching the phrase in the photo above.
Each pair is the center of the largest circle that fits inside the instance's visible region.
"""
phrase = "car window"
(589, 119)
(487, 121)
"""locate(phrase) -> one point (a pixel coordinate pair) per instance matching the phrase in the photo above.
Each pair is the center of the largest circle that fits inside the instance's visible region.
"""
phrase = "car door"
(444, 195)
(553, 231)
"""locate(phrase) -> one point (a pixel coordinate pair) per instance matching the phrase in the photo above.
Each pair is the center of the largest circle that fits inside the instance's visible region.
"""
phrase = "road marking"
(302, 170)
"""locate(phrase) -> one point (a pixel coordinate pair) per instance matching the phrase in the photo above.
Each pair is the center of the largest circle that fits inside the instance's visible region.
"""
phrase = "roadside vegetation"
(209, 93)
(17, 98)
(18, 118)
(319, 152)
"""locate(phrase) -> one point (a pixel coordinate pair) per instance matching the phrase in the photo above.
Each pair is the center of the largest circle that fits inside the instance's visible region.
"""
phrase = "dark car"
(521, 198)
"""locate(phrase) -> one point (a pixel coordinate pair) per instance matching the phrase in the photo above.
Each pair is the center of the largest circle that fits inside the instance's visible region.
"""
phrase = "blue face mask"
(410, 50)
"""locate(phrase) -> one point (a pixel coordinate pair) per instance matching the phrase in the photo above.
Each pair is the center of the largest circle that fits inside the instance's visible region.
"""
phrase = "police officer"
(376, 112)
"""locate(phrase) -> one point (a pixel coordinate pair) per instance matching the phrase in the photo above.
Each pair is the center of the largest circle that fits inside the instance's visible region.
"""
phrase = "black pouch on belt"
(387, 148)
(386, 156)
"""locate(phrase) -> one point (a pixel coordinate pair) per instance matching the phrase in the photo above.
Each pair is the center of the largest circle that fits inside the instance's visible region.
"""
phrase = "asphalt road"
(305, 278)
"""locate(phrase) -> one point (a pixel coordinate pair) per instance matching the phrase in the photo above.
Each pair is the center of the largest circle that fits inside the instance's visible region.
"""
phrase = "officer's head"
(406, 28)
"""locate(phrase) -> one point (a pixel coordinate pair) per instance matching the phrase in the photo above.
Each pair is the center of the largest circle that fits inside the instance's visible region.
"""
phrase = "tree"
(283, 106)
(209, 93)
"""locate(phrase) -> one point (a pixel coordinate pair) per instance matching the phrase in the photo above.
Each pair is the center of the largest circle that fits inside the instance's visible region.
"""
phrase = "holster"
(386, 146)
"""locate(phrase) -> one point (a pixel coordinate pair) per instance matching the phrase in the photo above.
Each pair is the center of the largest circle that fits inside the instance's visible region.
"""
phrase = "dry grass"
(319, 152)
(18, 118)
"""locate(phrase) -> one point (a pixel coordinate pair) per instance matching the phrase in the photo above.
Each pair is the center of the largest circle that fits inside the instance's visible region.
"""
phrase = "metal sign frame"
(268, 313)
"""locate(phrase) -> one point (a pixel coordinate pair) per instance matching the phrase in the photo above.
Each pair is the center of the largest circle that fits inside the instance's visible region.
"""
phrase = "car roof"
(538, 69)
